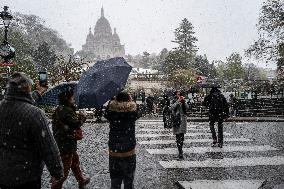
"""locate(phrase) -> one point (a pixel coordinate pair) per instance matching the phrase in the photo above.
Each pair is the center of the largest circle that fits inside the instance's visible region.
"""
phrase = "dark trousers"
(122, 169)
(31, 185)
(179, 141)
(70, 162)
(220, 131)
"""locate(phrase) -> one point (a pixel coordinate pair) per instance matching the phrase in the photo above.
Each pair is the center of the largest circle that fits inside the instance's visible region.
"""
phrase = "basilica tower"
(103, 44)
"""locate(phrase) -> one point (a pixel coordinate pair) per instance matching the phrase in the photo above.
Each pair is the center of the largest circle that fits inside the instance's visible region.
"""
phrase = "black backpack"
(216, 103)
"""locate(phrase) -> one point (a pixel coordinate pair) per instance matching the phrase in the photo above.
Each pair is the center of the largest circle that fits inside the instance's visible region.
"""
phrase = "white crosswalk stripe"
(223, 184)
(202, 150)
(189, 141)
(163, 130)
(225, 162)
(152, 136)
(170, 135)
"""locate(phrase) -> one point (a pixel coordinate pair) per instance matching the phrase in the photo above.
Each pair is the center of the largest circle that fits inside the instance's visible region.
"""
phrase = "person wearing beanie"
(64, 123)
(26, 142)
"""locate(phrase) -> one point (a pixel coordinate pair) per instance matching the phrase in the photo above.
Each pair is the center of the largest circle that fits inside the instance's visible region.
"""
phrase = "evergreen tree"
(184, 37)
(183, 56)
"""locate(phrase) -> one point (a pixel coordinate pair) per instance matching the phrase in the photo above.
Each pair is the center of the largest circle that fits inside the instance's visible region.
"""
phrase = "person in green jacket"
(65, 121)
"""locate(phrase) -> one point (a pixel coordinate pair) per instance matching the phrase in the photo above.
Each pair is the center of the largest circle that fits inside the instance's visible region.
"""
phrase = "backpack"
(218, 105)
(216, 102)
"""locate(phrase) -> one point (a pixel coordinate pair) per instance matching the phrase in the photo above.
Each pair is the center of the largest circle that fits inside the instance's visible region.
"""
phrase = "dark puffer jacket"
(64, 122)
(122, 117)
(26, 142)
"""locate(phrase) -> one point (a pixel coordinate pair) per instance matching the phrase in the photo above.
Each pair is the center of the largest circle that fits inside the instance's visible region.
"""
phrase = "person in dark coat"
(26, 140)
(122, 114)
(179, 107)
(143, 97)
(218, 111)
(99, 114)
(166, 103)
(150, 104)
(233, 105)
(64, 122)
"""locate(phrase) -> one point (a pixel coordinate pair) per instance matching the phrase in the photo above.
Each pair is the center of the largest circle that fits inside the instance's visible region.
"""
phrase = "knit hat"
(19, 83)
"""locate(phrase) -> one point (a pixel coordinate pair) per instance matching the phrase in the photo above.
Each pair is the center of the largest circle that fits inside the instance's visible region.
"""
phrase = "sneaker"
(84, 183)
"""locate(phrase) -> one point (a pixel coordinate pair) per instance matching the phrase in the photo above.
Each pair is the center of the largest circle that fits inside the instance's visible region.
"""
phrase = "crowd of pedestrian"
(26, 142)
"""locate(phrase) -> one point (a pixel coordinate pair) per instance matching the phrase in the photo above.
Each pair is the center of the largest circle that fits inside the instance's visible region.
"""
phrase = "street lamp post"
(7, 52)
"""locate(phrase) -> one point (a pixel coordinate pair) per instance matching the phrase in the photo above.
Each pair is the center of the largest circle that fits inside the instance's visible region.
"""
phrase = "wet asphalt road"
(151, 175)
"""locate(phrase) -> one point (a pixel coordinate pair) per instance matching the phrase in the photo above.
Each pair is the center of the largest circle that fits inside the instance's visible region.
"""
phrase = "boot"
(84, 183)
(180, 153)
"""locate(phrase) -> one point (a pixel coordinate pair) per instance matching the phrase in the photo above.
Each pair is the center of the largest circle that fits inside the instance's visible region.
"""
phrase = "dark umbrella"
(50, 97)
(206, 85)
(102, 82)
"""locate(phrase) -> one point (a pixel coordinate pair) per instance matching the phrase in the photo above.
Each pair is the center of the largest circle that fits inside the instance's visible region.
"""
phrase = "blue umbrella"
(102, 82)
(50, 97)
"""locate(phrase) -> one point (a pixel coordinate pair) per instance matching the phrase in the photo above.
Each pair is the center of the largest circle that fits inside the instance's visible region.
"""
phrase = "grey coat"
(183, 125)
(26, 143)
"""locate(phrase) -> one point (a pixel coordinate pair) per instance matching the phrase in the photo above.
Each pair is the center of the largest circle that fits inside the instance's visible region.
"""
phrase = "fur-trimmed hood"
(122, 106)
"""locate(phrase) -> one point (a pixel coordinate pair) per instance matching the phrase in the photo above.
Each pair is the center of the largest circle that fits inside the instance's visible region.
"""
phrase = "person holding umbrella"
(122, 113)
(218, 112)
(66, 130)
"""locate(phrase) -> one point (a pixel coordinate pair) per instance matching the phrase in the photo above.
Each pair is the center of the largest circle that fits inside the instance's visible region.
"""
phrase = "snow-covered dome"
(102, 25)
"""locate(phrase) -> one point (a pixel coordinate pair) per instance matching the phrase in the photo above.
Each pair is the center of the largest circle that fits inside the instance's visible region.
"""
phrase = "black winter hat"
(19, 82)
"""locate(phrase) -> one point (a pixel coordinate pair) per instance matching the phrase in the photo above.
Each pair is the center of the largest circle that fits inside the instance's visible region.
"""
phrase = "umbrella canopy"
(206, 85)
(50, 97)
(102, 82)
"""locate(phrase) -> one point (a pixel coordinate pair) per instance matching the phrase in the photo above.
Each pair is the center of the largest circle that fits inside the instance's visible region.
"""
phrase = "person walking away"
(122, 114)
(166, 112)
(218, 111)
(26, 142)
(99, 114)
(179, 121)
(66, 130)
(150, 104)
(143, 96)
(233, 105)
(134, 97)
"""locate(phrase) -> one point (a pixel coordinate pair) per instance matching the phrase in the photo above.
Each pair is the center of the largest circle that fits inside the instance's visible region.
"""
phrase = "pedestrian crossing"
(225, 184)
(201, 159)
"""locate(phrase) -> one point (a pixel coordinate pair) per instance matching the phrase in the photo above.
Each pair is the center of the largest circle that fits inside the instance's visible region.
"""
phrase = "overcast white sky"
(221, 26)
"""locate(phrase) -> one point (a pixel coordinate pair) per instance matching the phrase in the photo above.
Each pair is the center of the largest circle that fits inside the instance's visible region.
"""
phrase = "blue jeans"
(122, 169)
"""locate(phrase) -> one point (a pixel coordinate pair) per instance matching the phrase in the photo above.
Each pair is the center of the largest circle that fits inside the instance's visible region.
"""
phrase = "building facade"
(103, 43)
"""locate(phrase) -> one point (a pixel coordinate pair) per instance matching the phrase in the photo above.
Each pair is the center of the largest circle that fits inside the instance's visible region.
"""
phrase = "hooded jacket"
(122, 117)
(26, 143)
